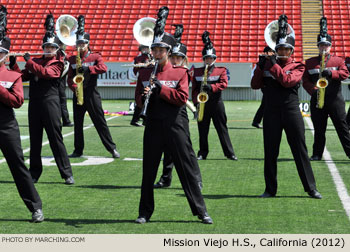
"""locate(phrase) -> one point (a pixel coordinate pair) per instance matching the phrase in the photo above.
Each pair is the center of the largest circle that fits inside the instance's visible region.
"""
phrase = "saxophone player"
(280, 78)
(334, 105)
(214, 108)
(89, 99)
(44, 109)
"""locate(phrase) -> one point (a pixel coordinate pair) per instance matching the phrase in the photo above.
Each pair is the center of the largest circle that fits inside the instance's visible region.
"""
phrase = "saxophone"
(78, 80)
(203, 97)
(322, 83)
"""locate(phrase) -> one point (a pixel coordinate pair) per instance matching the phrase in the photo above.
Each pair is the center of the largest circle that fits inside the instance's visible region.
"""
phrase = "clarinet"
(143, 113)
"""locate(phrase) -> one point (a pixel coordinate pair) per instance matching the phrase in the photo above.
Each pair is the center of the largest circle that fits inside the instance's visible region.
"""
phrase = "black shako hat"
(161, 38)
(283, 38)
(208, 50)
(179, 49)
(82, 36)
(5, 42)
(50, 38)
(324, 37)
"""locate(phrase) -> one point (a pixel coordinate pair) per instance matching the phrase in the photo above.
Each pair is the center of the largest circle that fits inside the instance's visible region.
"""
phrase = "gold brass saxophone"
(322, 83)
(78, 80)
(203, 97)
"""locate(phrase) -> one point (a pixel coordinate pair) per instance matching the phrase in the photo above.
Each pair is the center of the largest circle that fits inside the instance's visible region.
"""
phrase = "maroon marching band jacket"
(173, 94)
(11, 89)
(217, 79)
(96, 66)
(311, 75)
(280, 82)
(44, 75)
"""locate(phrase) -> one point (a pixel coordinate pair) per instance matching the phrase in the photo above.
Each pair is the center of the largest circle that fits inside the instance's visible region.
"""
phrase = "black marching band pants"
(216, 111)
(260, 112)
(173, 137)
(11, 148)
(45, 113)
(63, 100)
(291, 121)
(93, 105)
(319, 117)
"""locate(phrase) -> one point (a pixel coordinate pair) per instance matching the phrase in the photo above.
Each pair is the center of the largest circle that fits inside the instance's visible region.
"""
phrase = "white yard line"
(337, 179)
(65, 135)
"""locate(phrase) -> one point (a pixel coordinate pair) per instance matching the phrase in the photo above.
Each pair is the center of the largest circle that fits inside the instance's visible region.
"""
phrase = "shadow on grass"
(112, 187)
(226, 196)
(78, 222)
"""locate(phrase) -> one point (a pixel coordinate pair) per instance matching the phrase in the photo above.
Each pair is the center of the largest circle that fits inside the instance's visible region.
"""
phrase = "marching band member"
(44, 110)
(178, 57)
(167, 125)
(11, 96)
(260, 112)
(333, 101)
(91, 65)
(280, 77)
(214, 107)
(347, 63)
(144, 57)
(62, 88)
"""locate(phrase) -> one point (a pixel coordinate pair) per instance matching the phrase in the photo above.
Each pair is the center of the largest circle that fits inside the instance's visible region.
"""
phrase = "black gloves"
(12, 61)
(327, 73)
(83, 69)
(26, 57)
(273, 59)
(262, 61)
(157, 84)
(207, 88)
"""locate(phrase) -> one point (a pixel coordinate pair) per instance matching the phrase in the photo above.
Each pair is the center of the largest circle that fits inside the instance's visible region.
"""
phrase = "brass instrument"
(321, 84)
(143, 30)
(271, 33)
(79, 80)
(203, 97)
(66, 27)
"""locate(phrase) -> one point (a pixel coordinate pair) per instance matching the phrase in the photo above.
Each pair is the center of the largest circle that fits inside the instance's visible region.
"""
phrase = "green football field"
(105, 197)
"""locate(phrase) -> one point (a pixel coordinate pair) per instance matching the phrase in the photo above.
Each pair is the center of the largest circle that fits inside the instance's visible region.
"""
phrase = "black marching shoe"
(75, 155)
(315, 194)
(68, 124)
(315, 158)
(232, 157)
(267, 195)
(115, 154)
(141, 220)
(257, 125)
(161, 184)
(200, 157)
(69, 181)
(206, 219)
(37, 216)
(136, 124)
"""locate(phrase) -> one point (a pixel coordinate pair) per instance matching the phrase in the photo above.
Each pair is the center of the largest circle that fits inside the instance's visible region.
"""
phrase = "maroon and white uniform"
(92, 101)
(11, 96)
(214, 109)
(281, 82)
(334, 104)
(44, 112)
(347, 63)
(167, 130)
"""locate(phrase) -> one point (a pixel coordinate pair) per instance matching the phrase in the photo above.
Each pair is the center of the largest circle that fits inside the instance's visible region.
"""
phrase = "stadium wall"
(117, 84)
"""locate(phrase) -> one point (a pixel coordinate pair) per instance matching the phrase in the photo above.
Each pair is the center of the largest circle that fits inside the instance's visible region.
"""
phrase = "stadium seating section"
(236, 26)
